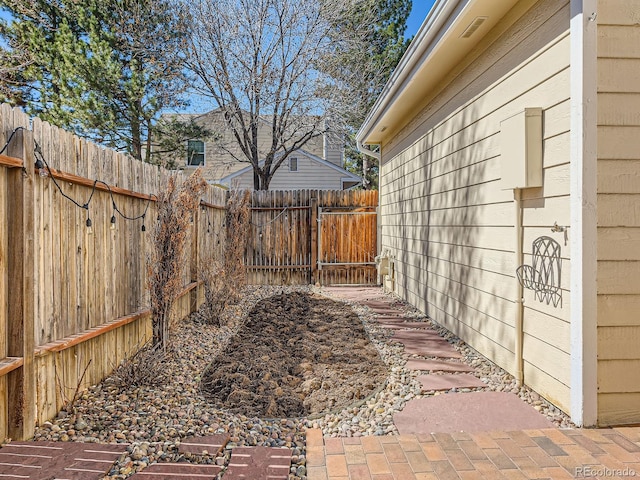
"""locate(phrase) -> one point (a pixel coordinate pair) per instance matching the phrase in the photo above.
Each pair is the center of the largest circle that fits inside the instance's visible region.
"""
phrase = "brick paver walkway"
(57, 460)
(523, 454)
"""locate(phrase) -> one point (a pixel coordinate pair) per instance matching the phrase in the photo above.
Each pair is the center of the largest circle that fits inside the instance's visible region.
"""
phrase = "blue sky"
(418, 14)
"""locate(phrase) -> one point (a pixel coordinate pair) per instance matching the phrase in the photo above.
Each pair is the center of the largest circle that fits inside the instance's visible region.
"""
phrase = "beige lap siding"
(444, 214)
(618, 212)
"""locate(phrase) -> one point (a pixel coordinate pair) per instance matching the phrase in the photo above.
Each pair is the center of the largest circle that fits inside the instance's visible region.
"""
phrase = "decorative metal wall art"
(544, 275)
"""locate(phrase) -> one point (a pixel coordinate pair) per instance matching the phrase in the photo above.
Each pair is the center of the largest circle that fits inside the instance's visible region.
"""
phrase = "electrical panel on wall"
(521, 149)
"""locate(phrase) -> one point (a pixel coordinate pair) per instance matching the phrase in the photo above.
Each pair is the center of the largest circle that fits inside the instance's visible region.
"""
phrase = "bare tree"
(12, 64)
(260, 61)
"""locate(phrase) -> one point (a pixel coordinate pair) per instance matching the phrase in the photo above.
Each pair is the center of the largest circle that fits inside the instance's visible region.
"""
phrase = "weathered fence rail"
(73, 299)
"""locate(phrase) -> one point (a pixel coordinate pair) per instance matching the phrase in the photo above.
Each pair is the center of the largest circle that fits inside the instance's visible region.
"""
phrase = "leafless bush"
(176, 206)
(237, 222)
(216, 291)
(68, 402)
(224, 278)
(146, 367)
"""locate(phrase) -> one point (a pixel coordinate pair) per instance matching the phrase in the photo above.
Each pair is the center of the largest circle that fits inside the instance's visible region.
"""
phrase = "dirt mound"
(297, 355)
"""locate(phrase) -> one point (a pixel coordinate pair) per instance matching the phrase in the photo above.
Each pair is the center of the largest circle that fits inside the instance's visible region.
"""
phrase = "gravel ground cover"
(153, 420)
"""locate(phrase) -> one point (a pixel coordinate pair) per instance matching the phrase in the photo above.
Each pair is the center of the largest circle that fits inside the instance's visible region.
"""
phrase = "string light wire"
(6, 145)
(266, 224)
(85, 205)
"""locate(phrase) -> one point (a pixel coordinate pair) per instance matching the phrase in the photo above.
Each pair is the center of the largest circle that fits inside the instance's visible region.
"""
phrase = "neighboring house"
(301, 170)
(319, 165)
(505, 123)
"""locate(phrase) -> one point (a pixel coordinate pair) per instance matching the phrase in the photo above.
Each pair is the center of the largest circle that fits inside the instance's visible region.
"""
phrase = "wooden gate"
(312, 236)
(347, 245)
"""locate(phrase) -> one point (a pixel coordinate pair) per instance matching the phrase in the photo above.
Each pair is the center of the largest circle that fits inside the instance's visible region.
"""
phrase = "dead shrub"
(237, 222)
(176, 205)
(224, 278)
(146, 367)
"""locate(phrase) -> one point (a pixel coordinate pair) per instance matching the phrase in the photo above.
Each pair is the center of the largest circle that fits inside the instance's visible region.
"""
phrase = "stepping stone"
(392, 319)
(387, 311)
(470, 412)
(259, 463)
(394, 327)
(442, 351)
(408, 325)
(377, 304)
(421, 342)
(358, 294)
(173, 471)
(430, 335)
(69, 460)
(449, 381)
(211, 444)
(415, 325)
(437, 366)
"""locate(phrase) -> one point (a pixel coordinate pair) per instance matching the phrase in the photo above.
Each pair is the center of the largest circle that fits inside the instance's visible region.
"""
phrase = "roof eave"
(423, 42)
(444, 40)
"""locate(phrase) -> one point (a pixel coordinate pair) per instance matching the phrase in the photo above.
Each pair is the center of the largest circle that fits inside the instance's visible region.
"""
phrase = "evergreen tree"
(365, 69)
(104, 69)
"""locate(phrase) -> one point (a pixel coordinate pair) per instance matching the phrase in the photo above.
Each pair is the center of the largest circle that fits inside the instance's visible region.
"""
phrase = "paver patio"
(517, 454)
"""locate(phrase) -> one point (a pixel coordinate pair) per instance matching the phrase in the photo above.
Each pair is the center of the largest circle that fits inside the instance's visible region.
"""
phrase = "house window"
(293, 164)
(195, 153)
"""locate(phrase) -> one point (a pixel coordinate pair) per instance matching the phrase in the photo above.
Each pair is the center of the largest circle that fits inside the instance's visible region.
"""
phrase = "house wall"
(311, 174)
(220, 153)
(618, 212)
(445, 217)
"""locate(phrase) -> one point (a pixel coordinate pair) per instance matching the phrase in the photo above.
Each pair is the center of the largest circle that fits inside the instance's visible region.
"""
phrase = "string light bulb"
(42, 169)
(89, 226)
(113, 222)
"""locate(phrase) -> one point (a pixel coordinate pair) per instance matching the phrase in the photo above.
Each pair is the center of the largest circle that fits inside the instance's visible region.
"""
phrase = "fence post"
(314, 240)
(21, 282)
(193, 267)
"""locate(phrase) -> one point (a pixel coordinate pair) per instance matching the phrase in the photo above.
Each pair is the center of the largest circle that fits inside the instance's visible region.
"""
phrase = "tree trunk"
(136, 139)
(365, 173)
(265, 180)
(147, 153)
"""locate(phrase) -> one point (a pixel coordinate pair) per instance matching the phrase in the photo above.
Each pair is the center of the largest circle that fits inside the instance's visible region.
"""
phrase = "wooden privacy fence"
(313, 236)
(73, 299)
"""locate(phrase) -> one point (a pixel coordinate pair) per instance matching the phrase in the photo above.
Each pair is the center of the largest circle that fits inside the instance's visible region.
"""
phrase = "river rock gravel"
(153, 420)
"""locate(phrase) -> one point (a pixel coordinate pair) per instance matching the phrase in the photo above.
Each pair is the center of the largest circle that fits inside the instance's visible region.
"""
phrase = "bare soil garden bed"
(297, 355)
